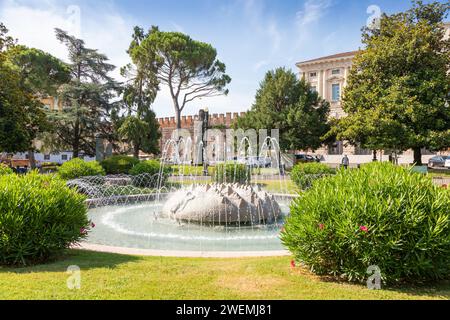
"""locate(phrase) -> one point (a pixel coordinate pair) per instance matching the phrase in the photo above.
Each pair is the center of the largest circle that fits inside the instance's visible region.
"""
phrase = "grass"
(112, 276)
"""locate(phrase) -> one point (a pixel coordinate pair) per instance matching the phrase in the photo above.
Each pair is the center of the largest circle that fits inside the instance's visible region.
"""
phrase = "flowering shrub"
(380, 215)
(77, 168)
(304, 174)
(39, 218)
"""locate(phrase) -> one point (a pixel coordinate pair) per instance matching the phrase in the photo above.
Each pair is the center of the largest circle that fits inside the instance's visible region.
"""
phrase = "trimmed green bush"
(39, 218)
(304, 174)
(231, 173)
(146, 174)
(77, 168)
(4, 169)
(119, 164)
(380, 215)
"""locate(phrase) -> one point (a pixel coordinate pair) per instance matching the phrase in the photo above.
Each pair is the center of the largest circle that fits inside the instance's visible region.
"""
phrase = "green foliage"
(149, 174)
(283, 102)
(142, 134)
(399, 84)
(231, 173)
(87, 99)
(304, 174)
(21, 114)
(4, 169)
(77, 168)
(119, 164)
(39, 218)
(188, 67)
(380, 215)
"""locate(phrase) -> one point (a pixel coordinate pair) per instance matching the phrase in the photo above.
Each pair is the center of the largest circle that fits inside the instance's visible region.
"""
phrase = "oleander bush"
(77, 168)
(304, 174)
(231, 173)
(4, 169)
(149, 174)
(39, 218)
(381, 215)
(119, 164)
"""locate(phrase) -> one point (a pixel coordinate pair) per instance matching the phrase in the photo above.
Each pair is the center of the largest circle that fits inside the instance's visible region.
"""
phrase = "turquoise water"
(141, 226)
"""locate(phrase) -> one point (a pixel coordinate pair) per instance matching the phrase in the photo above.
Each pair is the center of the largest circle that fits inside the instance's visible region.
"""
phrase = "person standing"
(345, 162)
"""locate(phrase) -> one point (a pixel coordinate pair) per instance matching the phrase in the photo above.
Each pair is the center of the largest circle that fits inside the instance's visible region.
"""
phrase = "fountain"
(186, 211)
(222, 204)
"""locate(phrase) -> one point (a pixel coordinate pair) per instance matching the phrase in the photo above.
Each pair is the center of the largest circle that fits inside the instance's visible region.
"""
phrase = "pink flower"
(92, 225)
(83, 231)
(292, 264)
(364, 229)
(321, 226)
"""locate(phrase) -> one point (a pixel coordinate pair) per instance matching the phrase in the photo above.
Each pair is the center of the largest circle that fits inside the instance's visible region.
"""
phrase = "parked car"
(258, 162)
(303, 158)
(439, 162)
(447, 163)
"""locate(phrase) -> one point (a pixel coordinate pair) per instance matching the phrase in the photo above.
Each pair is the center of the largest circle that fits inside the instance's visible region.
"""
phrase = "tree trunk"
(418, 156)
(136, 151)
(178, 118)
(76, 140)
(32, 159)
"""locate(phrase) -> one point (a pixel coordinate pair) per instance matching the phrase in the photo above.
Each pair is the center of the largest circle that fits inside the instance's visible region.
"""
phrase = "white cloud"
(260, 64)
(108, 30)
(33, 23)
(313, 10)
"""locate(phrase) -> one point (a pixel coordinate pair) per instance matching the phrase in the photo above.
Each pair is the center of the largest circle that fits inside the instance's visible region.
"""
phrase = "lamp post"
(204, 117)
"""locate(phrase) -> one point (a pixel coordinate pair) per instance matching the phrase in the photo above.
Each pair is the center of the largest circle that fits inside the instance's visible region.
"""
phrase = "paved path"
(182, 254)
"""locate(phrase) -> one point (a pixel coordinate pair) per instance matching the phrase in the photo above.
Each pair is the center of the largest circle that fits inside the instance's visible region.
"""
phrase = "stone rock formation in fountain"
(222, 204)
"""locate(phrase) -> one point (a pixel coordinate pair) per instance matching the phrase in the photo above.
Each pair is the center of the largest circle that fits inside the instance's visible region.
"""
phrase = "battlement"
(226, 119)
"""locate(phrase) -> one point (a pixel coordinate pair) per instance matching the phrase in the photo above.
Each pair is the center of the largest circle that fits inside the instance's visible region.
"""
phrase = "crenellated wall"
(168, 124)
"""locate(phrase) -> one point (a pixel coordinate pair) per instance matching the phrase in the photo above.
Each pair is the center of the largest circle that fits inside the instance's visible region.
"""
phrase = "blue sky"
(251, 36)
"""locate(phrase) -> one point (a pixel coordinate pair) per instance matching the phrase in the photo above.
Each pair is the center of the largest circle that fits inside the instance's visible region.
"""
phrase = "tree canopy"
(87, 98)
(189, 68)
(286, 103)
(399, 85)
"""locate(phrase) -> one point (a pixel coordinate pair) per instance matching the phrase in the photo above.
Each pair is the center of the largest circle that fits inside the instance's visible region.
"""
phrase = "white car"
(447, 163)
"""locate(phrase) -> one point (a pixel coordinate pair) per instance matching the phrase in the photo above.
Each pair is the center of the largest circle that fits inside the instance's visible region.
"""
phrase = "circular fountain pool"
(143, 226)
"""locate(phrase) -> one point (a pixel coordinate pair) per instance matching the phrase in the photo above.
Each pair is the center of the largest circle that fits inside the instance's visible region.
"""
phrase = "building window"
(313, 74)
(27, 156)
(336, 71)
(46, 157)
(336, 92)
(64, 157)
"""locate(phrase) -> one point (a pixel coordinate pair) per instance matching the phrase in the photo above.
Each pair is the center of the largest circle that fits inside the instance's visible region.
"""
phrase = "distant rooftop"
(334, 56)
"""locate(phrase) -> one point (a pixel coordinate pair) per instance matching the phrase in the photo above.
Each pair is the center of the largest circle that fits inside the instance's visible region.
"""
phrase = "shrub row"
(380, 215)
(304, 174)
(39, 218)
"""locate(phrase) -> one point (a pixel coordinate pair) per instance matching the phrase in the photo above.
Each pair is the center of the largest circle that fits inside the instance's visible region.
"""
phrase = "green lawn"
(111, 276)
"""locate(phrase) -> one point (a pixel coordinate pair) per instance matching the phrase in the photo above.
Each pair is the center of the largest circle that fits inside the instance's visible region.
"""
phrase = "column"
(319, 83)
(324, 85)
(345, 76)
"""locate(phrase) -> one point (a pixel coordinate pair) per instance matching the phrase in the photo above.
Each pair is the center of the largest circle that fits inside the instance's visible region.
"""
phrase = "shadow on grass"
(86, 260)
(436, 289)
